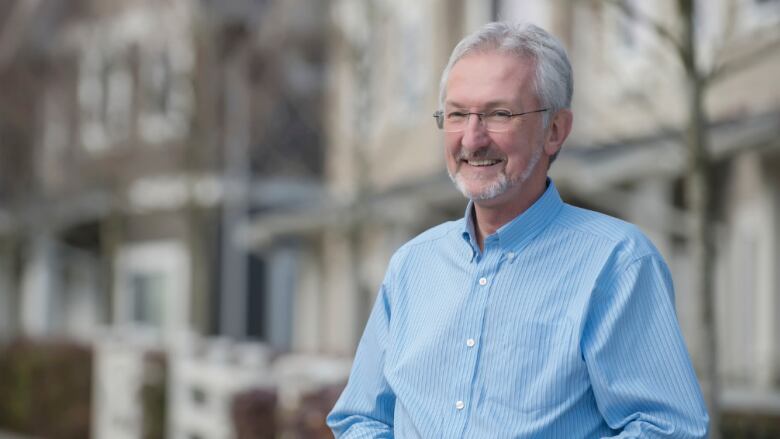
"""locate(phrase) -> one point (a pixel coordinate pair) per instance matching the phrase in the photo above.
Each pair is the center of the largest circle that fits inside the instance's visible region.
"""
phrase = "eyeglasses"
(496, 121)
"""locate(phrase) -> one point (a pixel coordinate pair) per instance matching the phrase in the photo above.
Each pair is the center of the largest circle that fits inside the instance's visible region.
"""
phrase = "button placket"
(484, 273)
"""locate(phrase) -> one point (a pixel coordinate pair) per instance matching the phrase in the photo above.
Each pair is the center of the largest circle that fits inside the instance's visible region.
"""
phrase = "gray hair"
(553, 81)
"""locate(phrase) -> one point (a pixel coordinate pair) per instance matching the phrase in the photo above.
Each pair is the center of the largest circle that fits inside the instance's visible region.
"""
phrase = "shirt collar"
(516, 234)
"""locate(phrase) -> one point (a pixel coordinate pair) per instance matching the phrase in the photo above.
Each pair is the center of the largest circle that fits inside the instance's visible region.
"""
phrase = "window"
(147, 292)
(105, 91)
(166, 93)
(152, 287)
(135, 73)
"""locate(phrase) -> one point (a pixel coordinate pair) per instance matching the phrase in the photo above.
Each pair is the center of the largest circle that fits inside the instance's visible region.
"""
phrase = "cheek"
(451, 147)
(518, 156)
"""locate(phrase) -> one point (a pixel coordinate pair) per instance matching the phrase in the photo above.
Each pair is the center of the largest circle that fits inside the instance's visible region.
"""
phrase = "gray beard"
(502, 183)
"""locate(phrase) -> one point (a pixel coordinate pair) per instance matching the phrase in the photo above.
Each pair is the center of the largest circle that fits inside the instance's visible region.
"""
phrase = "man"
(528, 318)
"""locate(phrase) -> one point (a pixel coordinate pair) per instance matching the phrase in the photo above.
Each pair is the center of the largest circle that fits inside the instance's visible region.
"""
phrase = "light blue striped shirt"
(563, 327)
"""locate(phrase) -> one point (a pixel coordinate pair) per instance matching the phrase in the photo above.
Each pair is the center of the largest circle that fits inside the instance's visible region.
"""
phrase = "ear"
(558, 131)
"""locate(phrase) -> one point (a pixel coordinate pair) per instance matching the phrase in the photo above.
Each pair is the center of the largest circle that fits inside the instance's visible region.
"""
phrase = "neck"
(490, 215)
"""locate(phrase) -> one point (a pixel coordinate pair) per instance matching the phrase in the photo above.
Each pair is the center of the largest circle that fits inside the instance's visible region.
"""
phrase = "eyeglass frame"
(439, 116)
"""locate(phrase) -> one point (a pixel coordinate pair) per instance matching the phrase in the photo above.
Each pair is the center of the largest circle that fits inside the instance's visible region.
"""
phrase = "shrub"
(254, 414)
(739, 425)
(46, 389)
(309, 420)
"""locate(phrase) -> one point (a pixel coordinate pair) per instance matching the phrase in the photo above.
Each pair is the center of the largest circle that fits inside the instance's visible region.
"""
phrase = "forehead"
(490, 77)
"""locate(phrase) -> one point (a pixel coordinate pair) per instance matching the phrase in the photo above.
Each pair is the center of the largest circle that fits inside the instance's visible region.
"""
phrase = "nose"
(475, 135)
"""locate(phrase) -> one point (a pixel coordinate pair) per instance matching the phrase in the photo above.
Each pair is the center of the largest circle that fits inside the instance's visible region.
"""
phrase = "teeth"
(482, 162)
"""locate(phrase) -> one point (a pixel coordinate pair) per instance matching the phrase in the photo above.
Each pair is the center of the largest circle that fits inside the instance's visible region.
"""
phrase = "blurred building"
(135, 135)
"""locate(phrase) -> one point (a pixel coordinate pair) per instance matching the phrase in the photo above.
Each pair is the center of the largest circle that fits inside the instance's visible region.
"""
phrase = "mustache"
(480, 154)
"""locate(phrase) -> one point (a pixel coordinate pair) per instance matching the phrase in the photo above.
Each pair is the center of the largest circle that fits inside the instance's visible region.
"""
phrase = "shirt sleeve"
(639, 367)
(365, 408)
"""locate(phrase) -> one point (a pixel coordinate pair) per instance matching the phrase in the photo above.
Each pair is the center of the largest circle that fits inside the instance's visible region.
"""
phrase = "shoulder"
(620, 250)
(437, 238)
(436, 235)
(625, 240)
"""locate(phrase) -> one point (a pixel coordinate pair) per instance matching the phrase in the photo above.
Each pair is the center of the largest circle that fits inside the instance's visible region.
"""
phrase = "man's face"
(488, 167)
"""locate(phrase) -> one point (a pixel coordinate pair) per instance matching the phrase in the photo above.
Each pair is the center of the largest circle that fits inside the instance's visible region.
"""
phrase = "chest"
(497, 290)
(502, 326)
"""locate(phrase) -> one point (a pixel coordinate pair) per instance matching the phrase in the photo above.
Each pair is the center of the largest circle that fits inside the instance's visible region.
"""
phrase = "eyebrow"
(489, 104)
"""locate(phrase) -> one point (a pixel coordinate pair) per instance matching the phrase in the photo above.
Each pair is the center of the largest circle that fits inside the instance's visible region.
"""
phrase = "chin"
(485, 192)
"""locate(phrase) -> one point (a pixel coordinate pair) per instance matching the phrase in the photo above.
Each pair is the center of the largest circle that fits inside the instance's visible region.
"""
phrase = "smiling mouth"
(482, 162)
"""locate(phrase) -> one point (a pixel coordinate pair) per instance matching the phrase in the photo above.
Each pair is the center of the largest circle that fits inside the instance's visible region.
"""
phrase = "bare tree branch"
(643, 98)
(659, 28)
(742, 61)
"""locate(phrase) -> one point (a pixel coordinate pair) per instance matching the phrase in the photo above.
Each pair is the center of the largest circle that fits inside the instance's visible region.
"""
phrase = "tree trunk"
(699, 191)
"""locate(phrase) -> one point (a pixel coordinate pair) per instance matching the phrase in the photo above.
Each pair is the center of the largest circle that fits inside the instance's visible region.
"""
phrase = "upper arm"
(637, 361)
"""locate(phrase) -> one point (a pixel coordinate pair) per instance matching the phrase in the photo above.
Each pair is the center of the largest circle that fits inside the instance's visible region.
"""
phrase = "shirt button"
(510, 255)
(483, 281)
(459, 405)
(470, 342)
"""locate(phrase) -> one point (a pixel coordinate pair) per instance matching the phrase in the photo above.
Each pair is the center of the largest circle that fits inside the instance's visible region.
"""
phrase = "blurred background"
(198, 198)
